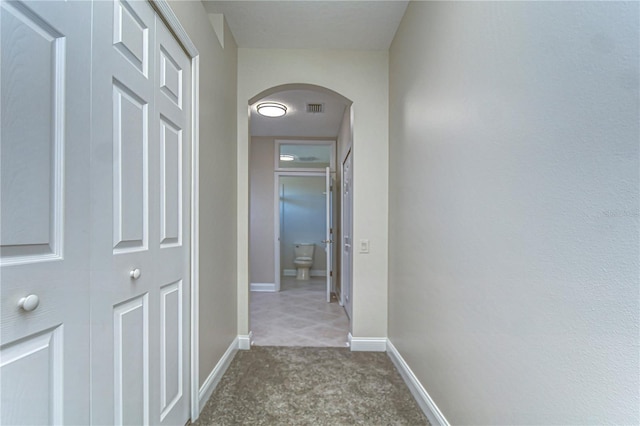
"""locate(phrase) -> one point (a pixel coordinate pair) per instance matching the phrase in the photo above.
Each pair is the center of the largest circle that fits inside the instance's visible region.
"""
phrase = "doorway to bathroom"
(304, 204)
(304, 230)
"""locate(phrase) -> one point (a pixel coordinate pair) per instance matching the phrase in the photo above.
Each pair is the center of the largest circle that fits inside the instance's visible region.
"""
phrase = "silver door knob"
(135, 273)
(327, 241)
(29, 303)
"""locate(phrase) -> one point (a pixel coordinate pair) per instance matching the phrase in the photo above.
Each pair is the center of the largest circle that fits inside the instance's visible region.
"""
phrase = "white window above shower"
(304, 155)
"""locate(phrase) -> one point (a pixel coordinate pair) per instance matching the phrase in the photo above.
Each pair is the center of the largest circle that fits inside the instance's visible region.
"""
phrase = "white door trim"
(171, 20)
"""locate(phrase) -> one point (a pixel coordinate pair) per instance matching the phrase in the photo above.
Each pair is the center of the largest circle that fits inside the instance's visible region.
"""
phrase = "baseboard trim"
(427, 405)
(312, 272)
(216, 374)
(262, 287)
(367, 344)
(244, 341)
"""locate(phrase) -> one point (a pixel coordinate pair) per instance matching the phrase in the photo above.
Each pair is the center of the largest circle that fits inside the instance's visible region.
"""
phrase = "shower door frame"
(276, 215)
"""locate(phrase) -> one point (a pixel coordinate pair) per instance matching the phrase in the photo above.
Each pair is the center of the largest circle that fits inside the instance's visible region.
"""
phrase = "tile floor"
(298, 315)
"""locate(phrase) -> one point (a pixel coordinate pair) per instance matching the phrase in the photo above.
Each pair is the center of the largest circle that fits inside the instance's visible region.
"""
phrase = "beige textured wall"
(514, 219)
(218, 215)
(262, 262)
(362, 77)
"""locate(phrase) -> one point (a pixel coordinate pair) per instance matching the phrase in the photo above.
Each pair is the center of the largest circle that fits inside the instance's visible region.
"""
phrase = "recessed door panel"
(33, 105)
(170, 77)
(131, 361)
(130, 175)
(31, 371)
(131, 36)
(171, 342)
(171, 183)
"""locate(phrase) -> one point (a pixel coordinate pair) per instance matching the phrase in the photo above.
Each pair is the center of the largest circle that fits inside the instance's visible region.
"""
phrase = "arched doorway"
(295, 181)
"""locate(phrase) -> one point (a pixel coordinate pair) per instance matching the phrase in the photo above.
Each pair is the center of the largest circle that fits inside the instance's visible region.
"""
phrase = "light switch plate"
(364, 246)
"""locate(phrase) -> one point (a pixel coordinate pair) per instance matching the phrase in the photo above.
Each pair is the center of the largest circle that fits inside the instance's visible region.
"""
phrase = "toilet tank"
(304, 249)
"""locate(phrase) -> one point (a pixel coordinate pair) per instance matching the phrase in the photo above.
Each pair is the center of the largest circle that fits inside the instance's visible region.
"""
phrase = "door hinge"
(331, 273)
(331, 230)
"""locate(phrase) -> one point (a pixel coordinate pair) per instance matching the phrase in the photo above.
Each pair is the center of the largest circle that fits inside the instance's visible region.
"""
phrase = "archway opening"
(299, 291)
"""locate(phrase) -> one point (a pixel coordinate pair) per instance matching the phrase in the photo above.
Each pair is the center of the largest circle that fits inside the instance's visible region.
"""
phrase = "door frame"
(276, 217)
(172, 22)
(343, 293)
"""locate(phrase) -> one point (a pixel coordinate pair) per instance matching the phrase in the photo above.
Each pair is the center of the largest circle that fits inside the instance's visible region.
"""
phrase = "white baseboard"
(216, 374)
(427, 405)
(244, 341)
(262, 287)
(367, 344)
(312, 272)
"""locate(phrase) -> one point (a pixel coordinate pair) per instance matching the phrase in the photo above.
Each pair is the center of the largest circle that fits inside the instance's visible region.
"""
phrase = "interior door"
(44, 217)
(347, 225)
(329, 231)
(140, 212)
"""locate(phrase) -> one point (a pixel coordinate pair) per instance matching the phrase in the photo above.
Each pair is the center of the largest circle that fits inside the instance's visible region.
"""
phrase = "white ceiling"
(310, 24)
(297, 122)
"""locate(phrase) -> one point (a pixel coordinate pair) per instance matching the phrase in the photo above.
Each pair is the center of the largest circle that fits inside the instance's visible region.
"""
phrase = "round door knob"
(135, 273)
(29, 303)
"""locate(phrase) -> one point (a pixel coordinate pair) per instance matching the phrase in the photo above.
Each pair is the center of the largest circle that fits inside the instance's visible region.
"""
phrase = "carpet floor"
(311, 386)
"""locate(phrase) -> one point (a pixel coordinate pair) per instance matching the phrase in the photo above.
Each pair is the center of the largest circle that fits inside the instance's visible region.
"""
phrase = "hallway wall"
(218, 218)
(261, 211)
(362, 77)
(513, 224)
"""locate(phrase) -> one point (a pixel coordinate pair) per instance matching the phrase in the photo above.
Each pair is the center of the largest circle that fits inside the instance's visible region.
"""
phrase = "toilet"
(303, 259)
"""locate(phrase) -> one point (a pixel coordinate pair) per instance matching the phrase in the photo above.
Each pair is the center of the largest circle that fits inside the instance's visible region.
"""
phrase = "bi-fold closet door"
(94, 228)
(140, 219)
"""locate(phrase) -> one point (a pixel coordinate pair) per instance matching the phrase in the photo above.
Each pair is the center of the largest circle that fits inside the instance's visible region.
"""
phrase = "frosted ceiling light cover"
(271, 109)
(286, 157)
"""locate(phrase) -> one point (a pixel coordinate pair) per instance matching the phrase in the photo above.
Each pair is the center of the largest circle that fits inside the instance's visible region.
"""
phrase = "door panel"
(171, 255)
(170, 77)
(33, 104)
(130, 173)
(44, 216)
(122, 307)
(131, 376)
(131, 35)
(171, 183)
(171, 353)
(32, 379)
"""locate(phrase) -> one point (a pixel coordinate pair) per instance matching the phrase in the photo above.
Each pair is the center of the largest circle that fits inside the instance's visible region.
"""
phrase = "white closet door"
(140, 240)
(44, 225)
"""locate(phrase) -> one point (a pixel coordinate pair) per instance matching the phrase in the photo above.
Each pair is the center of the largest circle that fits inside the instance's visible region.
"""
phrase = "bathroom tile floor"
(298, 315)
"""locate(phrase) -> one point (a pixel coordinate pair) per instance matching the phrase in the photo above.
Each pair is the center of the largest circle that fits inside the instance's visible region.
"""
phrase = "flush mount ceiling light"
(271, 109)
(286, 157)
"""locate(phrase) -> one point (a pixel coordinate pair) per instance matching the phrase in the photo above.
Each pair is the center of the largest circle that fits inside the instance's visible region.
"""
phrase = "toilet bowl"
(303, 259)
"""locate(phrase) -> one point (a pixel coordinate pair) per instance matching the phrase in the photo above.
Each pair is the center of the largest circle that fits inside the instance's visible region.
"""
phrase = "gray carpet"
(311, 386)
